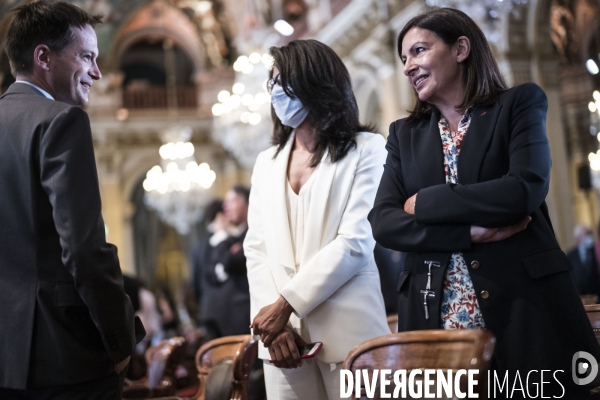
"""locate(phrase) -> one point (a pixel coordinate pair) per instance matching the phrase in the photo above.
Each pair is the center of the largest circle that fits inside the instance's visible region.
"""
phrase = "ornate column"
(570, 22)
(116, 211)
(562, 179)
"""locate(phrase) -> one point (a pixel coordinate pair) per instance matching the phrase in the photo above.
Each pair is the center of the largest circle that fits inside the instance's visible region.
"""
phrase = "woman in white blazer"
(309, 246)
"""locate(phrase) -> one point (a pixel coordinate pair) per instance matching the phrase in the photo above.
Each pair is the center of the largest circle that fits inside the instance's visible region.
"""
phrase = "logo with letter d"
(580, 367)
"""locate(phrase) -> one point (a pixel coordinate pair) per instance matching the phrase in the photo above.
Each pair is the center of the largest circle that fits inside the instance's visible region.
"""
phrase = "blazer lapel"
(316, 219)
(483, 123)
(285, 252)
(428, 156)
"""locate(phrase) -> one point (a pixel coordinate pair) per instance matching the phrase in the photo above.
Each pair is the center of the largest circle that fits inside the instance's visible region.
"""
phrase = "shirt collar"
(237, 230)
(467, 114)
(463, 121)
(46, 94)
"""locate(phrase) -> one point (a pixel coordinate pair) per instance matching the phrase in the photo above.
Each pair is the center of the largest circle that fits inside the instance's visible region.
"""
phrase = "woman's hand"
(271, 319)
(489, 235)
(284, 349)
(409, 205)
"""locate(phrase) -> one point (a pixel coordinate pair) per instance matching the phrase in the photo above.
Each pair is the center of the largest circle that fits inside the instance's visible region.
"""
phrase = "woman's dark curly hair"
(313, 73)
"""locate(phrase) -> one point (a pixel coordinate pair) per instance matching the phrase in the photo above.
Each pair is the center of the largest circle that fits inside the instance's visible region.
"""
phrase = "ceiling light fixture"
(284, 28)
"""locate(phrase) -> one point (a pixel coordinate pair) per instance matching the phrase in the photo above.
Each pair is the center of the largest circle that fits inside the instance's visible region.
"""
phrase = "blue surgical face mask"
(290, 111)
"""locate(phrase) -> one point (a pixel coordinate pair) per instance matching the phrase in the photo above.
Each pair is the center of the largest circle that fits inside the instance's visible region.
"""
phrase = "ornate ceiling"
(197, 28)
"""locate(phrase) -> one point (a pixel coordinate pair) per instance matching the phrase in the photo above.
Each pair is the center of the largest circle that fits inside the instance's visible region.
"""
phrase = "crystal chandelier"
(487, 13)
(178, 189)
(242, 122)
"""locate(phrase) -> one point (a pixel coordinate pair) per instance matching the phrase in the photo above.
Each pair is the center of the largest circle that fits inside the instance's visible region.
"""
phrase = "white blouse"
(297, 208)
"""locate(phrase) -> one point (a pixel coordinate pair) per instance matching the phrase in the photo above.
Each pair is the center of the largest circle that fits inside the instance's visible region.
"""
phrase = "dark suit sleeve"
(236, 262)
(506, 200)
(233, 263)
(197, 270)
(394, 228)
(69, 178)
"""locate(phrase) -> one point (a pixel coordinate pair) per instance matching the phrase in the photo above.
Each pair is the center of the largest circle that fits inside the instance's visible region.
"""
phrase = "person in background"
(597, 246)
(145, 307)
(583, 261)
(216, 232)
(225, 308)
(149, 316)
(169, 314)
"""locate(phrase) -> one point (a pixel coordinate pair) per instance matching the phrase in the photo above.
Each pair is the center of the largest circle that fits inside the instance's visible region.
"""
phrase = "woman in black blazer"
(478, 223)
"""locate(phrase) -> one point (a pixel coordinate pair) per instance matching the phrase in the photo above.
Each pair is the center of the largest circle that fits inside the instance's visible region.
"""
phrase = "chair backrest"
(242, 349)
(219, 381)
(593, 313)
(427, 349)
(589, 298)
(162, 360)
(392, 321)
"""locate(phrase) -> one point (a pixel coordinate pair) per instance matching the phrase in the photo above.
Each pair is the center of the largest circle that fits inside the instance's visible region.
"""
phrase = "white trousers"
(314, 380)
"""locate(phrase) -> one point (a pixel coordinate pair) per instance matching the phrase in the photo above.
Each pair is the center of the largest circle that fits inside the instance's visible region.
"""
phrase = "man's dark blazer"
(523, 287)
(226, 305)
(201, 260)
(64, 317)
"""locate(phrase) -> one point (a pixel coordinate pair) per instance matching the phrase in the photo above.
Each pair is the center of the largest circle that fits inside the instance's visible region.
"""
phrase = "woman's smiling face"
(433, 68)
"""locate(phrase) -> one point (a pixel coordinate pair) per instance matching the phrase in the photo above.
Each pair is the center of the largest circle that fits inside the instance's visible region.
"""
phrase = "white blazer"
(336, 291)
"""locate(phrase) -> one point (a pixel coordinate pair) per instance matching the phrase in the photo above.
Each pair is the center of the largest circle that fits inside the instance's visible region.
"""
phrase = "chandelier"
(177, 189)
(487, 13)
(242, 122)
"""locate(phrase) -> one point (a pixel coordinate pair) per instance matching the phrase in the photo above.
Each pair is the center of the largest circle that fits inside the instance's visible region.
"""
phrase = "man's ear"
(463, 48)
(41, 57)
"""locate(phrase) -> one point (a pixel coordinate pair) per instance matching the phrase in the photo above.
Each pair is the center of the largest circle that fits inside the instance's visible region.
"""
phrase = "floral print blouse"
(460, 308)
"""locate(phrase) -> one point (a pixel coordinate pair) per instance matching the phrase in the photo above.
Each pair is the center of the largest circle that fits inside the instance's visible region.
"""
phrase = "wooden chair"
(242, 349)
(162, 360)
(168, 398)
(589, 299)
(593, 313)
(427, 349)
(392, 321)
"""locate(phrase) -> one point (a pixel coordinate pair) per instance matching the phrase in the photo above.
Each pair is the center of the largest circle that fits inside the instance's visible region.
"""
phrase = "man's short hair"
(43, 22)
(243, 191)
(212, 209)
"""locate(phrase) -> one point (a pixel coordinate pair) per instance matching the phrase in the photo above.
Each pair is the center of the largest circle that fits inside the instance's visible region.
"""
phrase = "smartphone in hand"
(308, 350)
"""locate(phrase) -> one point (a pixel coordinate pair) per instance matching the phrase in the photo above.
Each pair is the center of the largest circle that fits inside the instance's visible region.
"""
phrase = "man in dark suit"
(226, 306)
(584, 263)
(67, 328)
(201, 253)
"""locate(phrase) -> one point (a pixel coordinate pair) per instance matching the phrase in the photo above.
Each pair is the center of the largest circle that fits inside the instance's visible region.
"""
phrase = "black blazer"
(226, 305)
(523, 286)
(64, 317)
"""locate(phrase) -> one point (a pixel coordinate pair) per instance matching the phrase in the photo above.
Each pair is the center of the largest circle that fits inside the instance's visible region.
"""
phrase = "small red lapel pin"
(483, 113)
